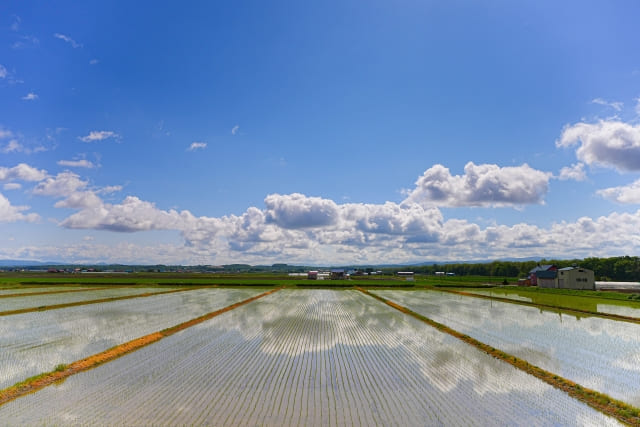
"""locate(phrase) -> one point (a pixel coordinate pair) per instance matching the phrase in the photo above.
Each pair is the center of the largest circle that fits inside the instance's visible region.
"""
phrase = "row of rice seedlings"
(598, 353)
(36, 342)
(304, 358)
(36, 301)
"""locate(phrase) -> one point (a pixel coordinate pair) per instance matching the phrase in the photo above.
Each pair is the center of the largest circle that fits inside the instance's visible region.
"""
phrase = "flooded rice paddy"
(598, 353)
(295, 357)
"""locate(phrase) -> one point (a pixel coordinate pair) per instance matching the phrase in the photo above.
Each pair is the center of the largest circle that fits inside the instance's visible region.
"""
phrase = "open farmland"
(598, 353)
(294, 357)
(10, 303)
(36, 342)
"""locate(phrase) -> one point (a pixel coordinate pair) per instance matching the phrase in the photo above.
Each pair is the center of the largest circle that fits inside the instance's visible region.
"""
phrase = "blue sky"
(320, 133)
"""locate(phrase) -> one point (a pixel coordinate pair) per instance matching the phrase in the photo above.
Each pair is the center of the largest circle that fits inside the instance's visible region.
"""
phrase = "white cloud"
(62, 185)
(93, 62)
(638, 106)
(612, 144)
(30, 97)
(80, 200)
(574, 172)
(13, 146)
(311, 229)
(131, 215)
(627, 194)
(235, 129)
(99, 135)
(22, 172)
(110, 189)
(299, 211)
(76, 163)
(481, 185)
(197, 146)
(12, 186)
(10, 213)
(3, 72)
(67, 39)
(615, 105)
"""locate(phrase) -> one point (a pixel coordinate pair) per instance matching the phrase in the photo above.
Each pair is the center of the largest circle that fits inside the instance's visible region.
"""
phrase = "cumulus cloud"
(62, 185)
(22, 172)
(30, 97)
(612, 144)
(10, 213)
(131, 215)
(99, 135)
(67, 39)
(80, 200)
(76, 163)
(574, 172)
(481, 185)
(197, 146)
(299, 211)
(615, 105)
(312, 229)
(627, 194)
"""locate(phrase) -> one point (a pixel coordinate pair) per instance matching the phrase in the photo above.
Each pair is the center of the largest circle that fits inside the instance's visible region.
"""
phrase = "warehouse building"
(567, 278)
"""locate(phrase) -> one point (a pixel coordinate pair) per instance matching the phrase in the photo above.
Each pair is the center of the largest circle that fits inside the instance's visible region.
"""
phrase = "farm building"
(533, 274)
(312, 275)
(337, 274)
(567, 278)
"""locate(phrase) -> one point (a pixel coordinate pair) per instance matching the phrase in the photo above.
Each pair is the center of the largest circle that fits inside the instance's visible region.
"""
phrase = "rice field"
(598, 353)
(22, 302)
(304, 357)
(37, 342)
(25, 290)
(629, 308)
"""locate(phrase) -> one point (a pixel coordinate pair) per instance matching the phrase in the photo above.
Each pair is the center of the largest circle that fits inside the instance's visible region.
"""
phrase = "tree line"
(624, 268)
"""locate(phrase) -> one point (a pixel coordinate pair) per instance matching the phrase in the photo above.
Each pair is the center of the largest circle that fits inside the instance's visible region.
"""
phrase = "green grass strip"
(62, 371)
(615, 408)
(93, 301)
(565, 309)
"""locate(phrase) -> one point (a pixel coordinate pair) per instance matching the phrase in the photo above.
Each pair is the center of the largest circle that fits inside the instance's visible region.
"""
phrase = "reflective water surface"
(33, 343)
(305, 357)
(598, 353)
